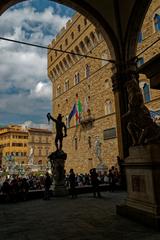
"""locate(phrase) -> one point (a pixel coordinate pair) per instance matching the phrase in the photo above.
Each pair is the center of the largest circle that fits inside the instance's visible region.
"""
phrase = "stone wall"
(96, 88)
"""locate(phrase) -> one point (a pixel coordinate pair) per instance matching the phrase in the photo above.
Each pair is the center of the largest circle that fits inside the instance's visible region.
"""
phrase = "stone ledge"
(137, 215)
(148, 152)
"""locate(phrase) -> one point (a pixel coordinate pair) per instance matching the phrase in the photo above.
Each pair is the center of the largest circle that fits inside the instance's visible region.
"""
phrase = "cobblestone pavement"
(84, 218)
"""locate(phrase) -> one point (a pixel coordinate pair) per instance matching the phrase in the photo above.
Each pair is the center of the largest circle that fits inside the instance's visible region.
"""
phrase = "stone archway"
(116, 20)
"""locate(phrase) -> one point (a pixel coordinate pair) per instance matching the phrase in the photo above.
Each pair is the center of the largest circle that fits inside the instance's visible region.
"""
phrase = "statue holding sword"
(60, 128)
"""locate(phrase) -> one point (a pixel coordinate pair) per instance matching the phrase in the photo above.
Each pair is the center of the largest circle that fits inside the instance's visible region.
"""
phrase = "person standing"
(47, 185)
(72, 181)
(95, 183)
(112, 179)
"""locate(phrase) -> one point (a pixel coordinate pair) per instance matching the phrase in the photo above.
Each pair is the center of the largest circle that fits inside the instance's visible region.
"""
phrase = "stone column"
(121, 105)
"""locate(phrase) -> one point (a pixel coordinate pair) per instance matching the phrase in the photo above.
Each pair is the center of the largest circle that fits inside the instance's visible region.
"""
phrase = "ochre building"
(85, 84)
(17, 142)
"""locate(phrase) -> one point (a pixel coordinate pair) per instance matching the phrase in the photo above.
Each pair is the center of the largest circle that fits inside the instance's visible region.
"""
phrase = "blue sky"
(25, 90)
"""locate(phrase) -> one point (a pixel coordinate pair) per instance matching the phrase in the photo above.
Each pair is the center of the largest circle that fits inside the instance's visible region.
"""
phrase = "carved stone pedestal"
(143, 185)
(101, 168)
(57, 160)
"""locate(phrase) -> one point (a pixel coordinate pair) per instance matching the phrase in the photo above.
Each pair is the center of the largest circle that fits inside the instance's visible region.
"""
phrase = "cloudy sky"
(25, 90)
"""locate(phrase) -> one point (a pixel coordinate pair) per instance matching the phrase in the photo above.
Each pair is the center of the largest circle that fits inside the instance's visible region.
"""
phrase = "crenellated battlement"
(63, 31)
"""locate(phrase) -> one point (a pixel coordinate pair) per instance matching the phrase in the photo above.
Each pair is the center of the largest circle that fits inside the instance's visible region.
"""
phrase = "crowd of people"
(105, 177)
(16, 188)
(94, 179)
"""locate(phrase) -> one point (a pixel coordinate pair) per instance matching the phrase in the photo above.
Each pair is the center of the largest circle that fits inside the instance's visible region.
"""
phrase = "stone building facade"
(17, 142)
(40, 142)
(86, 83)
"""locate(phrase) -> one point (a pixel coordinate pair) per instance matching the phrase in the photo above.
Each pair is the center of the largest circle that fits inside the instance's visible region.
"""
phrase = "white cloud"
(14, 22)
(42, 90)
(22, 67)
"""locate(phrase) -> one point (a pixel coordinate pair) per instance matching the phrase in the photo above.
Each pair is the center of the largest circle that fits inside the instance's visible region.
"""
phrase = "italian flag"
(78, 112)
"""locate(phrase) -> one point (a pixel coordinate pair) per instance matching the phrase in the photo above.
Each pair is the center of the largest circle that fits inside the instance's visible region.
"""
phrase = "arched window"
(58, 90)
(108, 107)
(146, 92)
(66, 85)
(104, 56)
(58, 69)
(82, 46)
(61, 65)
(140, 37)
(76, 78)
(140, 61)
(93, 38)
(99, 34)
(75, 143)
(66, 41)
(79, 28)
(89, 142)
(87, 42)
(77, 51)
(69, 59)
(157, 22)
(55, 72)
(87, 71)
(65, 63)
(72, 35)
(74, 57)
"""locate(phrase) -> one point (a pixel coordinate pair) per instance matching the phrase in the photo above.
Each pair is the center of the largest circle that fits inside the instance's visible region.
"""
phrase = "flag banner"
(77, 119)
(79, 106)
(73, 112)
(79, 112)
(85, 105)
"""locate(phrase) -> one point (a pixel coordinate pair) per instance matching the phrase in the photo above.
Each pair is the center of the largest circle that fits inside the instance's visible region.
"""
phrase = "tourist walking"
(72, 183)
(112, 179)
(95, 183)
(47, 185)
(6, 190)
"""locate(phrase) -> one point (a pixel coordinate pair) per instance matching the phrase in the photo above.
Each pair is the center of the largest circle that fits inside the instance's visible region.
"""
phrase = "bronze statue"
(140, 125)
(60, 126)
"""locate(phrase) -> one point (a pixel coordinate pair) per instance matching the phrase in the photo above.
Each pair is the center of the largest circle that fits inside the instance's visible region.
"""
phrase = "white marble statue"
(98, 148)
(31, 155)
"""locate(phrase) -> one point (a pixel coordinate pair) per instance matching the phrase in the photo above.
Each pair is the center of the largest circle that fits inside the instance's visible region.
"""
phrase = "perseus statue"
(60, 128)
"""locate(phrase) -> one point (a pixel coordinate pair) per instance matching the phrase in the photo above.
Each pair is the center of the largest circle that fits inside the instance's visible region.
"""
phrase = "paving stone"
(84, 218)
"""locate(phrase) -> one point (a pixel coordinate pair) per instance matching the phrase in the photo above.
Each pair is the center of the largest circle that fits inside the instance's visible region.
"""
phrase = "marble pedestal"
(101, 168)
(143, 185)
(57, 160)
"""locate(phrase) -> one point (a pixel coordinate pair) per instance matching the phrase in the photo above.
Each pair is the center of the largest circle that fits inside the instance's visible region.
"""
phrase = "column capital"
(120, 78)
